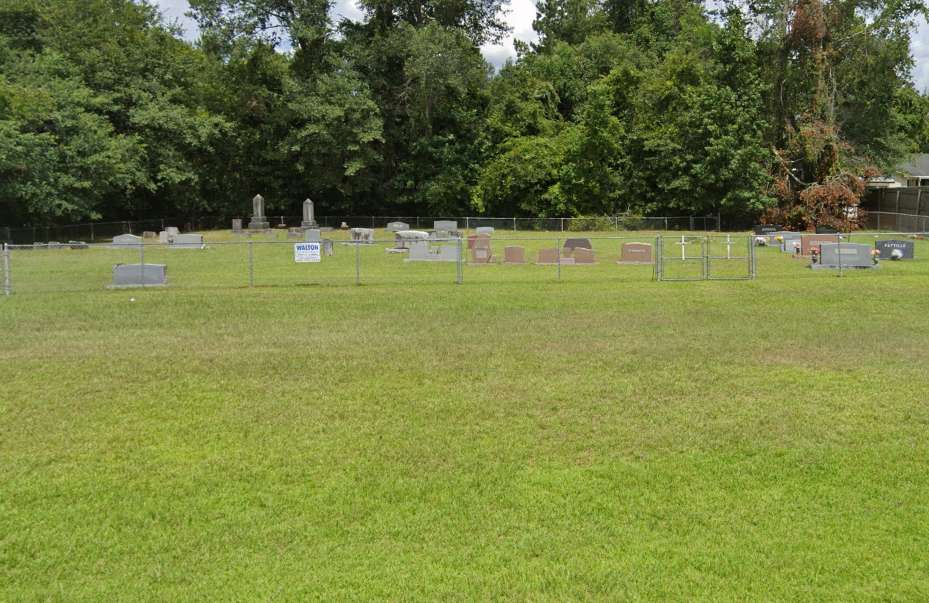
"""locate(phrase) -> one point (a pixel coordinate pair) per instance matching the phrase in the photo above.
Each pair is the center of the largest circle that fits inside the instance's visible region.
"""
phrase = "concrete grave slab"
(139, 275)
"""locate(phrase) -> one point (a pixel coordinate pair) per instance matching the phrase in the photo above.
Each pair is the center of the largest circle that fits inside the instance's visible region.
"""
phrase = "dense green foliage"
(658, 106)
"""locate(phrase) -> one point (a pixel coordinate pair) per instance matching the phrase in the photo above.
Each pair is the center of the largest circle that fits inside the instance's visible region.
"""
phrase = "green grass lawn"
(513, 437)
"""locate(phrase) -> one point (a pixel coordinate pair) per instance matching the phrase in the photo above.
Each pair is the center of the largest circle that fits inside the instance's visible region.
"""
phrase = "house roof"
(916, 165)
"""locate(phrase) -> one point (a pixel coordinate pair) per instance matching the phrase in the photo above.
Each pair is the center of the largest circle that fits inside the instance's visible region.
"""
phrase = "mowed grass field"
(513, 437)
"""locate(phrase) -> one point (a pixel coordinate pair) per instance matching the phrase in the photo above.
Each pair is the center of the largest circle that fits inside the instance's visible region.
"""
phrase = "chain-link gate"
(705, 257)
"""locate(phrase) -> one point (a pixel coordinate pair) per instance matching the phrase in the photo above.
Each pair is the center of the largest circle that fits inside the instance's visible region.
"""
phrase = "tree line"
(771, 109)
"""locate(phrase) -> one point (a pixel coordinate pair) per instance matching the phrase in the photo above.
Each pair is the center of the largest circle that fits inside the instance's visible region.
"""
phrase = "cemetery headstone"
(419, 251)
(258, 221)
(404, 238)
(514, 254)
(635, 253)
(808, 242)
(187, 241)
(237, 225)
(363, 235)
(484, 230)
(148, 234)
(294, 233)
(844, 255)
(481, 251)
(172, 231)
(309, 215)
(397, 226)
(571, 244)
(446, 253)
(790, 242)
(138, 275)
(78, 245)
(423, 251)
(450, 226)
(767, 229)
(822, 229)
(548, 256)
(582, 255)
(895, 249)
(127, 240)
(314, 235)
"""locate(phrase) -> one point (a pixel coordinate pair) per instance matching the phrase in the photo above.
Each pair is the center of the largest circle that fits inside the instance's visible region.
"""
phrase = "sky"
(520, 16)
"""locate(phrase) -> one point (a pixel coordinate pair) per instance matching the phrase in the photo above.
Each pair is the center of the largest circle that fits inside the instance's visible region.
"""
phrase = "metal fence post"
(656, 250)
(706, 245)
(838, 244)
(251, 265)
(7, 279)
(142, 263)
(658, 257)
(558, 256)
(357, 262)
(514, 223)
(459, 276)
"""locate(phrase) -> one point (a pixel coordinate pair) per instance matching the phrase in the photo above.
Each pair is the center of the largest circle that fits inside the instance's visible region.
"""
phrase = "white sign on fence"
(307, 252)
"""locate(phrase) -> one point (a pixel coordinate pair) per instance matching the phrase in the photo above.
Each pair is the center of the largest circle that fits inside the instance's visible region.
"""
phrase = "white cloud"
(520, 16)
(347, 9)
(174, 10)
(919, 46)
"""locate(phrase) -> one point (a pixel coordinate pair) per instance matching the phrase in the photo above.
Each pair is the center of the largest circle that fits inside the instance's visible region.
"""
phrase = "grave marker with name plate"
(845, 256)
(139, 275)
(635, 253)
(895, 249)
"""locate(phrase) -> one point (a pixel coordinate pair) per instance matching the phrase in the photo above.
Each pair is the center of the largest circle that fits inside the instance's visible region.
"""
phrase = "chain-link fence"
(270, 261)
(97, 232)
(273, 260)
(896, 222)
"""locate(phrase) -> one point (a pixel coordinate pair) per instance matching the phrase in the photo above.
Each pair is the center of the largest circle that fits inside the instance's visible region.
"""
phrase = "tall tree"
(834, 67)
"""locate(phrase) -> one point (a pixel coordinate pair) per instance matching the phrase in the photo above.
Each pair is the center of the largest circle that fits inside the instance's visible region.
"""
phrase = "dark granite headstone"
(826, 230)
(571, 244)
(767, 229)
(886, 249)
